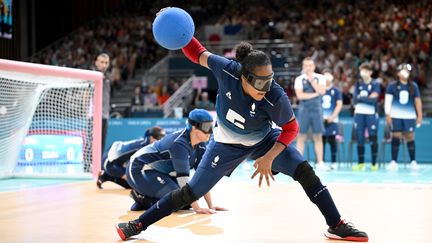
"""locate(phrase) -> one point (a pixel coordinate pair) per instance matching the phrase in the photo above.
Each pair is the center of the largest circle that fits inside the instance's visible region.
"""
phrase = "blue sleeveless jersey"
(172, 155)
(403, 105)
(329, 100)
(240, 118)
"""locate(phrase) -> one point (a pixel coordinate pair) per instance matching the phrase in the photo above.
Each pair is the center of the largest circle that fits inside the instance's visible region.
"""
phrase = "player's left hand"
(419, 122)
(263, 167)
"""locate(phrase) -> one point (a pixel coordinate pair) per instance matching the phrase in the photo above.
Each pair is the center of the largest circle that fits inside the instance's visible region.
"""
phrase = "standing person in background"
(309, 88)
(202, 101)
(102, 64)
(331, 105)
(366, 95)
(403, 108)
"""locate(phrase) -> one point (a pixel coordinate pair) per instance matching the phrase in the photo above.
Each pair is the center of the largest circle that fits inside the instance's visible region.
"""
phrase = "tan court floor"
(82, 213)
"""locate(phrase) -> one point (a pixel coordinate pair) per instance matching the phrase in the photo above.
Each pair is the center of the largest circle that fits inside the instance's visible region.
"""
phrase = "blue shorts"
(363, 122)
(331, 129)
(403, 125)
(310, 118)
(150, 183)
(221, 159)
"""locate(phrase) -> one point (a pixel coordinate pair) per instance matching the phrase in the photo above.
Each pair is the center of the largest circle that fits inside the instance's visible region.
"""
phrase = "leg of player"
(333, 150)
(396, 137)
(360, 127)
(409, 137)
(372, 125)
(324, 142)
(303, 173)
(169, 203)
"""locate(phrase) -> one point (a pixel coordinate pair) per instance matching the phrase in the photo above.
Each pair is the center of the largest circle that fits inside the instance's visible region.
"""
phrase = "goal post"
(50, 120)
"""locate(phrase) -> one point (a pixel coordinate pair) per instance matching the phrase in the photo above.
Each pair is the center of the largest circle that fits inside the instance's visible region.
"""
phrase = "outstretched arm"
(196, 52)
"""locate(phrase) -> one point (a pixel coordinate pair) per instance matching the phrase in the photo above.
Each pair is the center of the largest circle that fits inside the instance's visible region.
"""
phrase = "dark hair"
(250, 58)
(155, 132)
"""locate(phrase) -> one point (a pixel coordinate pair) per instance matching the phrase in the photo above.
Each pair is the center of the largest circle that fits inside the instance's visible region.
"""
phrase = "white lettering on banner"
(50, 155)
(29, 154)
(70, 154)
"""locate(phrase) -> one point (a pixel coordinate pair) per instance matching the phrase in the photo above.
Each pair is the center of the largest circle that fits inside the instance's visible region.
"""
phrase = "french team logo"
(215, 161)
(252, 110)
(228, 94)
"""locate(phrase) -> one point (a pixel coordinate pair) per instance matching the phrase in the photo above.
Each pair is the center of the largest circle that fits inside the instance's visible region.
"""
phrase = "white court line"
(191, 223)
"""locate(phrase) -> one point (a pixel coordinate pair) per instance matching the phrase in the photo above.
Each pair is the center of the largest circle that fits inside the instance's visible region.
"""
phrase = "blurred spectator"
(150, 97)
(138, 98)
(202, 101)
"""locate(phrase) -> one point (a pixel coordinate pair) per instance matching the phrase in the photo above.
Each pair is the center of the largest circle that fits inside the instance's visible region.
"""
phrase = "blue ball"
(173, 28)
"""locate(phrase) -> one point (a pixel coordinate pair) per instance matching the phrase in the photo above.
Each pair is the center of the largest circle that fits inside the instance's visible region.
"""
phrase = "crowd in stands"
(338, 35)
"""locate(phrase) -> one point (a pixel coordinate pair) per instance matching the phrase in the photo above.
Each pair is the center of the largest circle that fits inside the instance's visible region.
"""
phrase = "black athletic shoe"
(131, 228)
(346, 231)
(102, 177)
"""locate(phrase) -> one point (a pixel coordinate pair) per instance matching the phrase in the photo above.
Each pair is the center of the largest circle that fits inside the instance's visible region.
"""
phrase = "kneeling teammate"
(119, 153)
(160, 168)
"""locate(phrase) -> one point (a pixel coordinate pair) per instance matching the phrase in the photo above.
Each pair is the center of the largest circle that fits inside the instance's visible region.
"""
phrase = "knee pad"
(373, 138)
(183, 196)
(305, 175)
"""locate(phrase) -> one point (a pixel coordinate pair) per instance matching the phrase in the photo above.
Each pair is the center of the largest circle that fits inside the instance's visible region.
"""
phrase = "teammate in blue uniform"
(365, 97)
(248, 101)
(162, 167)
(331, 106)
(115, 160)
(309, 88)
(403, 110)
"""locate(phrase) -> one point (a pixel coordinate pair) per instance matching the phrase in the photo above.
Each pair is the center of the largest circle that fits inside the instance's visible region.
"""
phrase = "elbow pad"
(289, 132)
(193, 50)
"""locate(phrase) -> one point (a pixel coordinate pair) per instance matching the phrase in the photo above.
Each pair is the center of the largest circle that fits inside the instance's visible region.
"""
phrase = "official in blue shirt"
(114, 161)
(366, 95)
(403, 110)
(249, 101)
(162, 167)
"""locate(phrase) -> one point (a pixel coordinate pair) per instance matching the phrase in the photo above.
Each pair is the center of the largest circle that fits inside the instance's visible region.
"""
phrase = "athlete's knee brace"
(305, 175)
(183, 196)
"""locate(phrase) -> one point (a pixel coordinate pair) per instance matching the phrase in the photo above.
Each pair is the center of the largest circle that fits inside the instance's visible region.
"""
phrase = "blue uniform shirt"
(120, 148)
(403, 105)
(329, 100)
(240, 118)
(361, 93)
(172, 155)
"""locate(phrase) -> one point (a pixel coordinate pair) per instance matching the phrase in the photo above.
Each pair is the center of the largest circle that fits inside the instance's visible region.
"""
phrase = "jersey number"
(235, 118)
(403, 97)
(326, 101)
